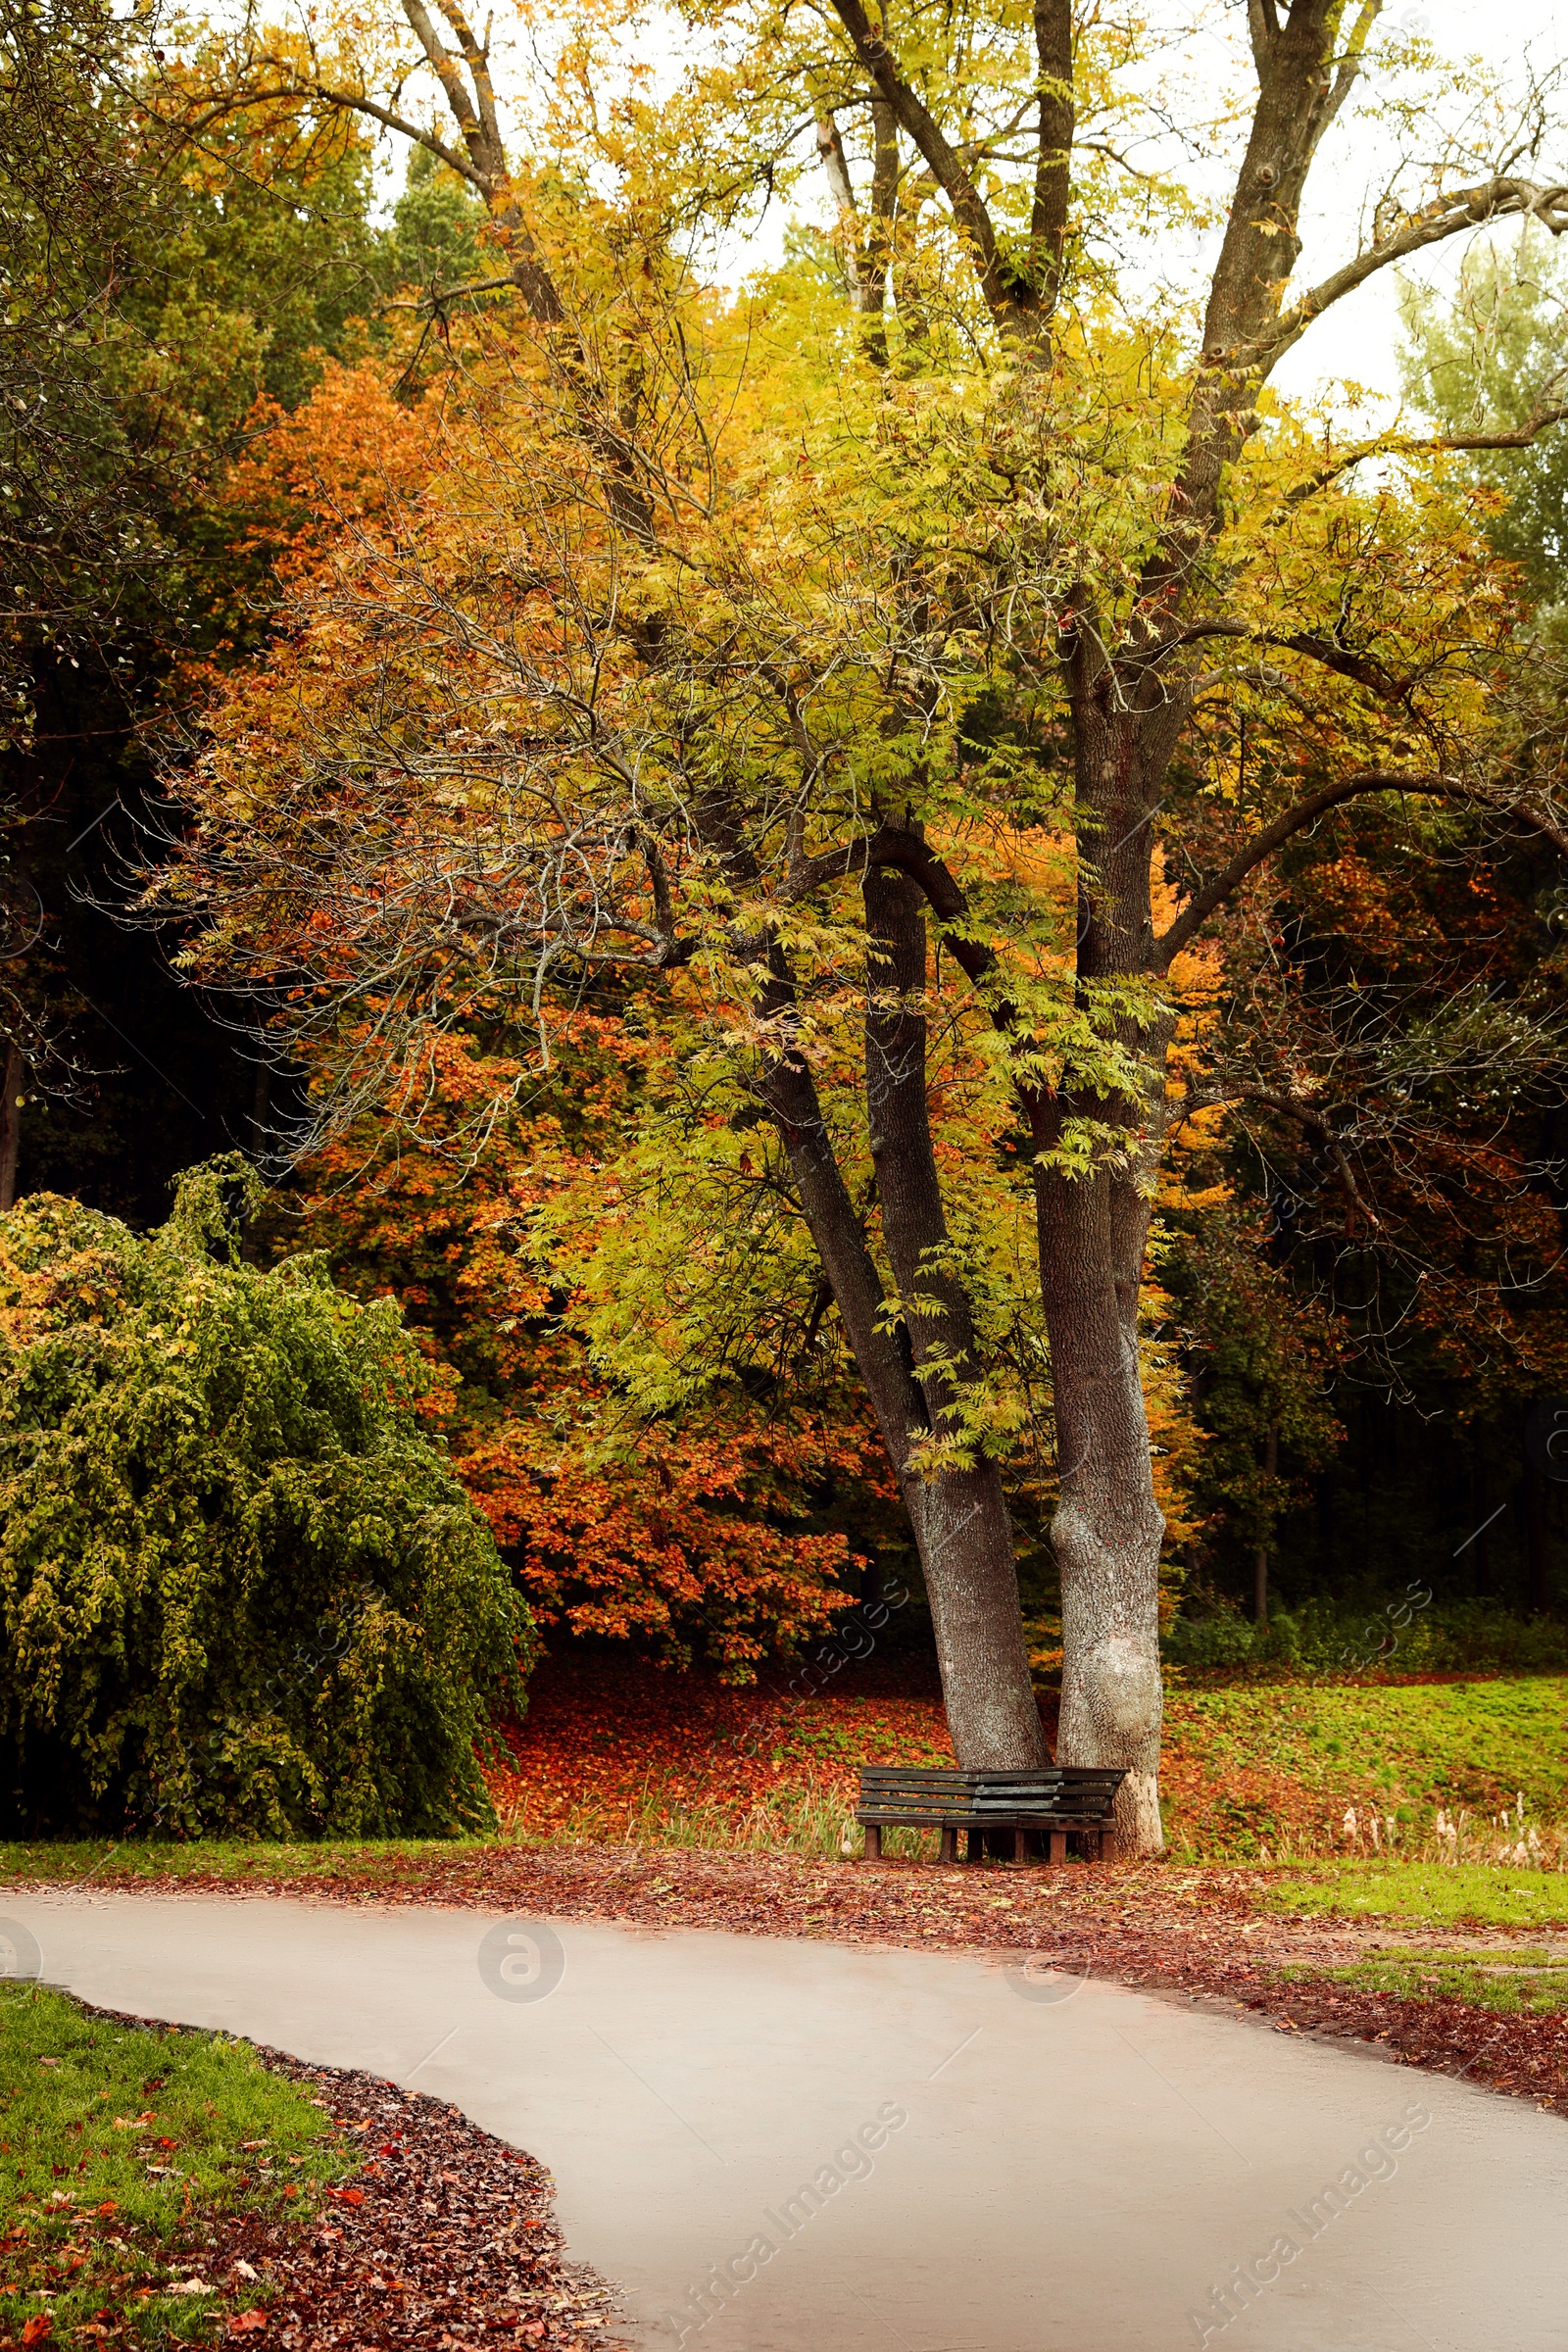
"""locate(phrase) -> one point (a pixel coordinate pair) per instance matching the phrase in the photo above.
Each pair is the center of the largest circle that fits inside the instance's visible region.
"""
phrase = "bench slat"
(951, 1797)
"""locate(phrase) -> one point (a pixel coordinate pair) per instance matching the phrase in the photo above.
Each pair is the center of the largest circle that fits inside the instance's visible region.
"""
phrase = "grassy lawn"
(121, 2149)
(238, 1858)
(1260, 1764)
(1436, 1893)
(1527, 1981)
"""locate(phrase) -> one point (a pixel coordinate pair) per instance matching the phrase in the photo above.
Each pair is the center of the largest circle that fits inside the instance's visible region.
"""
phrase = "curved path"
(795, 2147)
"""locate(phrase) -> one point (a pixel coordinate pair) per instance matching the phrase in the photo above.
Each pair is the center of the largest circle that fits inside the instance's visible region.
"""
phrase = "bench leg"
(1021, 1844)
(975, 1847)
(1057, 1845)
(873, 1842)
(948, 1849)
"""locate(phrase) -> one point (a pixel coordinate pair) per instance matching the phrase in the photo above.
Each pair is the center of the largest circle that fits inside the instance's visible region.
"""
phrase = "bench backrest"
(933, 1791)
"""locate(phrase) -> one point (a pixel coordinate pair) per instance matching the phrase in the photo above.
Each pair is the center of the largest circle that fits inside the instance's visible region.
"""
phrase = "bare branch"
(1290, 1107)
(1500, 199)
(298, 85)
(1211, 895)
(445, 67)
(1417, 446)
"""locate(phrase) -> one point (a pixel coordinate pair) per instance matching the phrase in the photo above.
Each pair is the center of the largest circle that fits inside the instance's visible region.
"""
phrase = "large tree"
(771, 651)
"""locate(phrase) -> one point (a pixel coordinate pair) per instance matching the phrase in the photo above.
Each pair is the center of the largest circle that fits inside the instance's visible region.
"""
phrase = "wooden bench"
(1054, 1801)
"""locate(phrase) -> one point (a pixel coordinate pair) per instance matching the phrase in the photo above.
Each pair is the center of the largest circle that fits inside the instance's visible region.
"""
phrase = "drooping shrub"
(240, 1587)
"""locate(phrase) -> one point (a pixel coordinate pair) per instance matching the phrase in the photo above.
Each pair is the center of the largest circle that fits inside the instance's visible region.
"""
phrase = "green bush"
(1401, 1636)
(240, 1589)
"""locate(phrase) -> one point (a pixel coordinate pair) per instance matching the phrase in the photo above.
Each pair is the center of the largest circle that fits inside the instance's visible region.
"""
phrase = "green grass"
(1444, 1742)
(74, 1861)
(120, 2148)
(1439, 1893)
(1527, 1983)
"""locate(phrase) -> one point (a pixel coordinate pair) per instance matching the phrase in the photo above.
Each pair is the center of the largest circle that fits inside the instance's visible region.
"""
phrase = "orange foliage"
(705, 1538)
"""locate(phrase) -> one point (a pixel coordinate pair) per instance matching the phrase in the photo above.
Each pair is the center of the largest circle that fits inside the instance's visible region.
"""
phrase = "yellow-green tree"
(944, 609)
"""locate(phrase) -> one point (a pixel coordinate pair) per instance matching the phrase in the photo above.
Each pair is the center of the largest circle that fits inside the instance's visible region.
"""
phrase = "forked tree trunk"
(966, 1540)
(957, 1514)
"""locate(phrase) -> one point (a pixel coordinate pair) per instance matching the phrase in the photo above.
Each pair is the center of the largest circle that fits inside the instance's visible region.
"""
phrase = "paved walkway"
(835, 2151)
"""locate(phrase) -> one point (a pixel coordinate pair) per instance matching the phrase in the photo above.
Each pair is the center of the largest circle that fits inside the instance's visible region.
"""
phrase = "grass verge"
(1439, 1894)
(1527, 1982)
(73, 1862)
(122, 2147)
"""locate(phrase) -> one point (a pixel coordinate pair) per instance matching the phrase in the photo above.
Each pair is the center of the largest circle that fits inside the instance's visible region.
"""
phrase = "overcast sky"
(1358, 339)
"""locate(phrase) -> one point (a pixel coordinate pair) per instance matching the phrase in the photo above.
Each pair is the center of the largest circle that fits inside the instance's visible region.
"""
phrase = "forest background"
(227, 357)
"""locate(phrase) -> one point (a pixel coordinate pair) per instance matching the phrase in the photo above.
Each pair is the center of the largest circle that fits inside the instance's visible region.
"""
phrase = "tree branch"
(830, 147)
(297, 85)
(1290, 1107)
(1500, 199)
(1211, 895)
(444, 65)
(1006, 296)
(1413, 446)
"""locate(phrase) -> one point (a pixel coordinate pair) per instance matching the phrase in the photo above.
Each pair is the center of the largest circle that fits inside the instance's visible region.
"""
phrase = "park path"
(780, 2146)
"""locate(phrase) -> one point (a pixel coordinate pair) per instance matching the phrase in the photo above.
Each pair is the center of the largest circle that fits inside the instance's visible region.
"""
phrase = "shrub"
(1401, 1636)
(240, 1588)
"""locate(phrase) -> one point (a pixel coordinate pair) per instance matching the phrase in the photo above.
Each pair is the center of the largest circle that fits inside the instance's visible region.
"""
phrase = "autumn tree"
(776, 650)
(1493, 359)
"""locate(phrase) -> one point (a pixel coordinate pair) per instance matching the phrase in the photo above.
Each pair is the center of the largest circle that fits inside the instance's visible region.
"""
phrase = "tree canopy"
(990, 772)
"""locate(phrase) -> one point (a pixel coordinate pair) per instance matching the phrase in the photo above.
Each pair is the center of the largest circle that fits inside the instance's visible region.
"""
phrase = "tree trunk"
(1108, 1526)
(957, 1514)
(967, 1552)
(1093, 1231)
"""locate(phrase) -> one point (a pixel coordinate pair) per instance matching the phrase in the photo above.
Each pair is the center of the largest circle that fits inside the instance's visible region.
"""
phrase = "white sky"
(1357, 340)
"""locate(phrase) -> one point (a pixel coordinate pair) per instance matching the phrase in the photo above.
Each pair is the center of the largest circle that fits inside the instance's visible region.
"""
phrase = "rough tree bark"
(908, 1359)
(968, 1552)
